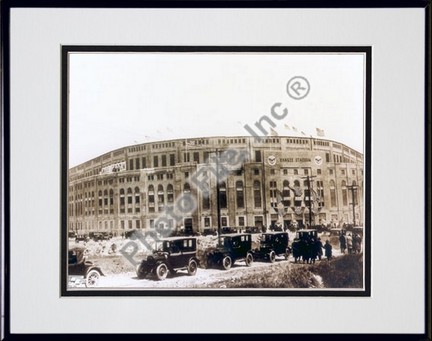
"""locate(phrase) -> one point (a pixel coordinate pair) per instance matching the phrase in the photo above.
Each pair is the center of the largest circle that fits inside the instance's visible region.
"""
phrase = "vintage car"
(172, 254)
(333, 236)
(273, 244)
(228, 230)
(82, 270)
(253, 229)
(97, 236)
(209, 232)
(82, 237)
(233, 247)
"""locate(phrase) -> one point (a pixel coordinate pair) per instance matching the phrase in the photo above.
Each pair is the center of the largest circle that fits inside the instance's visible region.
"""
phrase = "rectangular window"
(306, 171)
(206, 222)
(319, 171)
(144, 162)
(258, 156)
(258, 220)
(327, 157)
(241, 221)
(172, 159)
(137, 224)
(131, 164)
(164, 161)
(224, 221)
(256, 171)
(155, 161)
(186, 157)
(137, 164)
(196, 157)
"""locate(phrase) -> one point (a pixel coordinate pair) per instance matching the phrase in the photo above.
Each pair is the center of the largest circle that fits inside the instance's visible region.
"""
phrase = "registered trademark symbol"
(298, 87)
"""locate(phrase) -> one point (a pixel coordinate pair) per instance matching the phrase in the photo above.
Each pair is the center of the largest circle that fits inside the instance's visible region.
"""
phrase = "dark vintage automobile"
(253, 229)
(273, 244)
(97, 236)
(228, 230)
(234, 247)
(82, 270)
(209, 232)
(82, 238)
(173, 254)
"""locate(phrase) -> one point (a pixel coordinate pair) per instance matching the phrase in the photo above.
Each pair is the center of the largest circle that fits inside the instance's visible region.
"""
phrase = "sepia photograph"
(216, 170)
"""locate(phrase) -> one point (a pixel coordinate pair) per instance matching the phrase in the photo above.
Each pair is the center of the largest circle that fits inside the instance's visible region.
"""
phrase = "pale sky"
(121, 99)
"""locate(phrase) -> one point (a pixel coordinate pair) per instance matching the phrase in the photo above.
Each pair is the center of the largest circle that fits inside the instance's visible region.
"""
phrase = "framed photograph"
(252, 160)
(190, 198)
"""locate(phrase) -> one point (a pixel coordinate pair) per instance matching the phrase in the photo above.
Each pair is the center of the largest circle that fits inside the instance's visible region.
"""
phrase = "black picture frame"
(6, 8)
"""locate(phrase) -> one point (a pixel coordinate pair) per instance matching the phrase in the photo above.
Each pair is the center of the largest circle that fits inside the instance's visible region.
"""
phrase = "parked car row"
(180, 253)
(96, 236)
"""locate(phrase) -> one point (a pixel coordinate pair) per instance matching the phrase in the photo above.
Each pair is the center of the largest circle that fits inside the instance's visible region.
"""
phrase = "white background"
(397, 302)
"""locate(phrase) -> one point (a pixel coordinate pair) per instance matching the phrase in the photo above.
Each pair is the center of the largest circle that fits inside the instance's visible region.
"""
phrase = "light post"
(353, 203)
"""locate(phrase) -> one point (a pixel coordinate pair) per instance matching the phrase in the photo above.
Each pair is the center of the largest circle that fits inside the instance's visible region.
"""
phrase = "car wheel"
(92, 278)
(192, 267)
(226, 262)
(161, 272)
(249, 259)
(272, 257)
(141, 273)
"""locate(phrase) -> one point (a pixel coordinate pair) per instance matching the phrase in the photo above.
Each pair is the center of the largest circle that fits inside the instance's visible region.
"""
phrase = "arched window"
(344, 194)
(151, 194)
(223, 195)
(286, 193)
(122, 200)
(137, 195)
(186, 188)
(239, 194)
(111, 201)
(257, 193)
(332, 194)
(137, 200)
(129, 196)
(161, 198)
(170, 193)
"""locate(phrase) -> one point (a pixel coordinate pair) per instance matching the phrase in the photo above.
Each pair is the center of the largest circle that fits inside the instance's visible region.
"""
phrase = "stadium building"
(285, 181)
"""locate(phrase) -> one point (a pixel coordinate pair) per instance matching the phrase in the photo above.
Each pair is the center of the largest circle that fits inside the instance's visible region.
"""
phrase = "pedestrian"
(296, 250)
(328, 250)
(357, 243)
(349, 243)
(318, 248)
(342, 241)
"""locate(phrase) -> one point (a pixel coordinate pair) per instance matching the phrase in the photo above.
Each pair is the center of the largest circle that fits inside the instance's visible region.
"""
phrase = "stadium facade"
(287, 181)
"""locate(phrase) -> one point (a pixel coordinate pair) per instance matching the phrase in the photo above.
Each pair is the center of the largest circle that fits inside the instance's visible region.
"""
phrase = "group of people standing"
(351, 244)
(309, 249)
